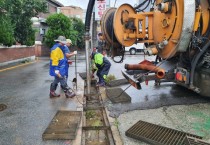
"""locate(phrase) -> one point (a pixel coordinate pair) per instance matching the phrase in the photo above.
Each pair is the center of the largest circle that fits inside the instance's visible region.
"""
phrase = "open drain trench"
(96, 127)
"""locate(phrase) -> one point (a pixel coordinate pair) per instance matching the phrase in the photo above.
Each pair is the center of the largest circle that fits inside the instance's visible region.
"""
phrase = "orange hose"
(160, 72)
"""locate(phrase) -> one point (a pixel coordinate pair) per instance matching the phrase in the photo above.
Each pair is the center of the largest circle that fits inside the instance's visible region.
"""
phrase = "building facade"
(39, 23)
(52, 8)
(72, 11)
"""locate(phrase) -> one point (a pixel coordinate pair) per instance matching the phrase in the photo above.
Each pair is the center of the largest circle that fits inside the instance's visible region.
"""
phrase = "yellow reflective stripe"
(56, 55)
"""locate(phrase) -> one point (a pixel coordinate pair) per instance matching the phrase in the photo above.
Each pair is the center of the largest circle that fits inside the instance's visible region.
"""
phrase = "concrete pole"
(87, 55)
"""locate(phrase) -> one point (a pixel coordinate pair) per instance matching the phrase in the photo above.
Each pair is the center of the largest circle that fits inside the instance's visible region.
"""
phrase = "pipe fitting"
(163, 7)
(162, 44)
(160, 73)
(151, 51)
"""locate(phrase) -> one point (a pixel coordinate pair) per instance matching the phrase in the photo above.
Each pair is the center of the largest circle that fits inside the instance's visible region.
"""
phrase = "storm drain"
(195, 141)
(157, 135)
(3, 107)
(63, 126)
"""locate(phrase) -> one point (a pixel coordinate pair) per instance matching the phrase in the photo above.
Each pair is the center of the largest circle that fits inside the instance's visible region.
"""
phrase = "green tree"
(59, 24)
(7, 29)
(79, 27)
(21, 12)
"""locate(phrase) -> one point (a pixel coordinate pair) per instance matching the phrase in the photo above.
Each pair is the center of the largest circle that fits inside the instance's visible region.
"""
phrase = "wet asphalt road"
(25, 91)
(150, 96)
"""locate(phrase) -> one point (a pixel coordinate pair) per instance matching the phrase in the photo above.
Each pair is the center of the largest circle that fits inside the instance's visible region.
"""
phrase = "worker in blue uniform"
(58, 68)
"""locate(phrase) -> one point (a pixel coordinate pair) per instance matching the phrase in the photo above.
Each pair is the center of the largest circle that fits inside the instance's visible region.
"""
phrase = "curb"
(16, 66)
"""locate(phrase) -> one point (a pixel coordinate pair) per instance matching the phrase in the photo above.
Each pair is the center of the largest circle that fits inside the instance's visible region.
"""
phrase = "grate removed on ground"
(195, 141)
(64, 125)
(117, 95)
(118, 82)
(157, 135)
(83, 75)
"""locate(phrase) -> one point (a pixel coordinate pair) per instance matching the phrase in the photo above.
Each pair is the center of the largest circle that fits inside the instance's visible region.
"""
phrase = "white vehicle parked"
(139, 47)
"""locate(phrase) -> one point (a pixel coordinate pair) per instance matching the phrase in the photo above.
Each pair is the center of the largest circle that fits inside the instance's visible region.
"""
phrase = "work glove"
(58, 73)
(75, 52)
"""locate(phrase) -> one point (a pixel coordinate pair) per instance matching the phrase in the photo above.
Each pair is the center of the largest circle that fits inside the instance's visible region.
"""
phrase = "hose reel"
(112, 24)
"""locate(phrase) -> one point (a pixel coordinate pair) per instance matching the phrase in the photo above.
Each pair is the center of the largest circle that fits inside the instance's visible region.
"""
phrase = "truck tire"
(132, 51)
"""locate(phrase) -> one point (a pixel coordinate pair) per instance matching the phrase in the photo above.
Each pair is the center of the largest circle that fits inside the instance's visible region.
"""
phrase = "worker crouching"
(103, 66)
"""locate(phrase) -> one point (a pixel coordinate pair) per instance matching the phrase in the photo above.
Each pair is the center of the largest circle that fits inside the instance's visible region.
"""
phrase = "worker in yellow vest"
(103, 66)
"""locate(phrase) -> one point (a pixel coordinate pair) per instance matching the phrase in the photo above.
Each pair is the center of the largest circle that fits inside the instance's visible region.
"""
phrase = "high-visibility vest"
(98, 58)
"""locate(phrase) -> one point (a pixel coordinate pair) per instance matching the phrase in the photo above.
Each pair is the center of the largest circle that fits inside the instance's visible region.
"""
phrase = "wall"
(52, 9)
(42, 50)
(16, 52)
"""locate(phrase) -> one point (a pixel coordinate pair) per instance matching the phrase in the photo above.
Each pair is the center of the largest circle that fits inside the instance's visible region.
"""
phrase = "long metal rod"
(87, 44)
(76, 70)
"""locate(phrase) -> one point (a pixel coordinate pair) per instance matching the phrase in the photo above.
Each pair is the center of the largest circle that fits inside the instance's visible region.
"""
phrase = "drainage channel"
(96, 127)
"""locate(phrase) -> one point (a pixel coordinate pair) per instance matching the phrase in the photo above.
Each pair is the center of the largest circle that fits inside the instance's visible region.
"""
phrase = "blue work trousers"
(104, 70)
(62, 81)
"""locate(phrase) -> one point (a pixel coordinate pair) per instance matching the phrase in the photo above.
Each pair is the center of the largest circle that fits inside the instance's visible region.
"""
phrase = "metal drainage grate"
(63, 126)
(157, 135)
(3, 107)
(195, 141)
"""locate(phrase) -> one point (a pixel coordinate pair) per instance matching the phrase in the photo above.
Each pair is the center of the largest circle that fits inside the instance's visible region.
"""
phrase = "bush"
(78, 26)
(71, 28)
(58, 24)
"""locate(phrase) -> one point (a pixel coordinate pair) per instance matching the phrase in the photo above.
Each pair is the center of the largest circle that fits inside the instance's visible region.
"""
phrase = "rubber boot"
(68, 93)
(52, 91)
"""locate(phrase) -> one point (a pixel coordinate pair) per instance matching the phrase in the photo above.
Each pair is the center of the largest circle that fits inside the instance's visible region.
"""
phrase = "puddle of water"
(161, 93)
